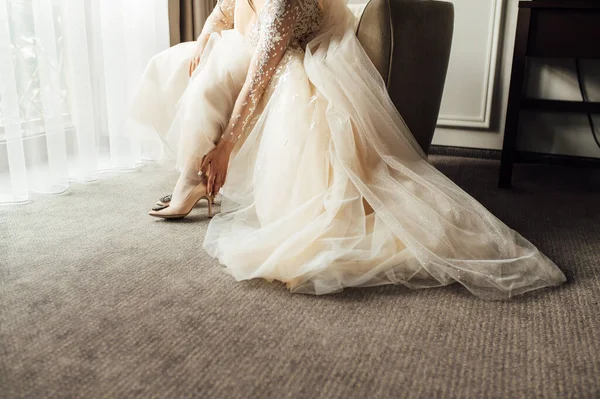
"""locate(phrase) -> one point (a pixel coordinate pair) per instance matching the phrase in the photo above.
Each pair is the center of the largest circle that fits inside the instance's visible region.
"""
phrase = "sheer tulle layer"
(330, 190)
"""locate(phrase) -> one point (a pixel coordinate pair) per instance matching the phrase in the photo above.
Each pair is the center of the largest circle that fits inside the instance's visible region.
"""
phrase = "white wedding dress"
(326, 187)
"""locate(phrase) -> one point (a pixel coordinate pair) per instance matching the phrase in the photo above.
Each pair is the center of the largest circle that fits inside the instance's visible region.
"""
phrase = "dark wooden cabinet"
(553, 29)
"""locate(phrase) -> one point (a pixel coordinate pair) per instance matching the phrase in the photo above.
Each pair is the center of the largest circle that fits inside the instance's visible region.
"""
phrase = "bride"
(278, 108)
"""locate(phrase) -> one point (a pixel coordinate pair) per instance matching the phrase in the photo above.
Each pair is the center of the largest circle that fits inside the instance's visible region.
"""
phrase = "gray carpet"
(99, 300)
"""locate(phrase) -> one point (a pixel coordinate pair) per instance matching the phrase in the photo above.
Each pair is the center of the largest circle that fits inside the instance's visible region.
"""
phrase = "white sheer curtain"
(67, 68)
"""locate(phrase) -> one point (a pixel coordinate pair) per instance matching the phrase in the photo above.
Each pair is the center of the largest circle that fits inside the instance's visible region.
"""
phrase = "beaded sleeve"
(277, 22)
(220, 19)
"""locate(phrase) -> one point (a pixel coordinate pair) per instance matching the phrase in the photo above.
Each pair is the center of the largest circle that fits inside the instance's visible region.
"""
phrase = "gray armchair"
(409, 42)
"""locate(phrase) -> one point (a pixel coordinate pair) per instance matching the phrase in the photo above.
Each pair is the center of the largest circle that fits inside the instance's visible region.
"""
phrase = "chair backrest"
(409, 42)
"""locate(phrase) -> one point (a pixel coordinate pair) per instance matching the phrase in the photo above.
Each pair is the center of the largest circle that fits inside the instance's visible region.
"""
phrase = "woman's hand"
(195, 61)
(216, 163)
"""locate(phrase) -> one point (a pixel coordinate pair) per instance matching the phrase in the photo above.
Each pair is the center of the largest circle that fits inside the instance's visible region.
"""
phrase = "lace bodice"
(308, 21)
(281, 24)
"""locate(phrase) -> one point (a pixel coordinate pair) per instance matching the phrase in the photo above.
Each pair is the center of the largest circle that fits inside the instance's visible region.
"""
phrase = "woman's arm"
(220, 19)
(277, 23)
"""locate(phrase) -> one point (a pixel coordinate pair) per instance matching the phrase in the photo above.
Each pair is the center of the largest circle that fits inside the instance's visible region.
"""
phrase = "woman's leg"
(202, 112)
(198, 129)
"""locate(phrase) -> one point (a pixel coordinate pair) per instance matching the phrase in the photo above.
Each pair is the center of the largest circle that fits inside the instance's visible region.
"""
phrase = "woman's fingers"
(220, 176)
(208, 184)
(210, 179)
(217, 185)
(216, 165)
(211, 184)
(205, 162)
(215, 181)
(219, 182)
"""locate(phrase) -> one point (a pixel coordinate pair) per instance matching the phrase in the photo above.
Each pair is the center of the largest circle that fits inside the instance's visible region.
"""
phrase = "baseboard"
(522, 157)
(464, 152)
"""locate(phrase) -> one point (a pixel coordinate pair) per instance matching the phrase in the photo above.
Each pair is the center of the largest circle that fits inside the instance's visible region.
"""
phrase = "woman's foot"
(182, 208)
(190, 189)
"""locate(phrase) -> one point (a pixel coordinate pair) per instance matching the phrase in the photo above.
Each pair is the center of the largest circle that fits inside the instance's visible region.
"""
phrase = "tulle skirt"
(328, 189)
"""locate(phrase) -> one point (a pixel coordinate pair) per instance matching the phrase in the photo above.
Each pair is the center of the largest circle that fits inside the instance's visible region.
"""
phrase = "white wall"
(474, 106)
(489, 136)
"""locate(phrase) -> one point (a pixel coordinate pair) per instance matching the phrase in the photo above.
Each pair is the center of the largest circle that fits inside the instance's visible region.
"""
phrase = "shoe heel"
(210, 202)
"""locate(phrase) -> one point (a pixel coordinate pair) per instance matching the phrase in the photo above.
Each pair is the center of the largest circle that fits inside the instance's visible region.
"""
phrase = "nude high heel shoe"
(183, 209)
